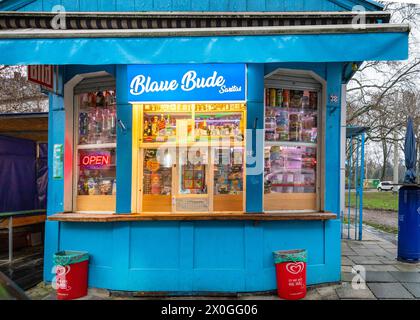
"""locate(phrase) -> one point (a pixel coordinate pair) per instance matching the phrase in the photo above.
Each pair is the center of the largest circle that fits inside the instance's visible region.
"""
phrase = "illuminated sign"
(186, 82)
(96, 160)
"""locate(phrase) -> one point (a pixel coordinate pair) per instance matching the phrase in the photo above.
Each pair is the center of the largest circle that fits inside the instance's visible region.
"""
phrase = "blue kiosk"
(188, 140)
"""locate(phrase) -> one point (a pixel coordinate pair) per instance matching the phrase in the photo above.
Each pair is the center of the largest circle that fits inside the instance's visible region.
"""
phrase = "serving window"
(95, 151)
(191, 157)
(291, 152)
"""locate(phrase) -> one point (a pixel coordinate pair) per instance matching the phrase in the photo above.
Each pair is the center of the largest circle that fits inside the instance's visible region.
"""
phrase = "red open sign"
(95, 160)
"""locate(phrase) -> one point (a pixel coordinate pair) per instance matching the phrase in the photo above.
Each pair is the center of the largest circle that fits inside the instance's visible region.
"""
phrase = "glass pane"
(290, 169)
(97, 118)
(291, 115)
(167, 122)
(291, 132)
(157, 173)
(214, 126)
(228, 171)
(96, 172)
(193, 165)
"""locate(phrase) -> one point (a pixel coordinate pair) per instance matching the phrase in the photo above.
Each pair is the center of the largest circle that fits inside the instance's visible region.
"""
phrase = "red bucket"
(71, 280)
(291, 274)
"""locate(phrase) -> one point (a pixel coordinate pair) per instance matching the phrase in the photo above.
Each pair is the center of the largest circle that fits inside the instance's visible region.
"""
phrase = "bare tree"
(17, 95)
(382, 95)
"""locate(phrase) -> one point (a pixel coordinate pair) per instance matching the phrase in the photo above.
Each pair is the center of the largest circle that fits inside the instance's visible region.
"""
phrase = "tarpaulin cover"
(290, 256)
(17, 174)
(410, 153)
(214, 49)
(42, 175)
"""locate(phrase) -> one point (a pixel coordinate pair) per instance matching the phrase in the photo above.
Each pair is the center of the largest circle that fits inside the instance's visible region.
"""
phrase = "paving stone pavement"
(381, 276)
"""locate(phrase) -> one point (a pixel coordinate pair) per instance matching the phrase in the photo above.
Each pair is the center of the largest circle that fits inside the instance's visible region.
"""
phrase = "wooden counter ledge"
(92, 217)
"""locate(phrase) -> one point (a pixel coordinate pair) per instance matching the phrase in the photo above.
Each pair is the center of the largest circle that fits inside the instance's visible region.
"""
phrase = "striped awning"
(185, 20)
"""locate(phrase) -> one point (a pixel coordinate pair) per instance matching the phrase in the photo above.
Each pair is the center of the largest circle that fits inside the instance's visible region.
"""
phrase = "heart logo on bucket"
(295, 267)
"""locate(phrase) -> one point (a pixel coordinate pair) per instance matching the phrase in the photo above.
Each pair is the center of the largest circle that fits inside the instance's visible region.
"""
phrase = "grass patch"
(376, 200)
(381, 227)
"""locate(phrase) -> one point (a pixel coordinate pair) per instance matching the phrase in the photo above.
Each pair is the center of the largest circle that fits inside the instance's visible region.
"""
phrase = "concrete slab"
(362, 260)
(414, 289)
(365, 252)
(379, 276)
(312, 295)
(345, 261)
(346, 268)
(347, 276)
(346, 291)
(329, 292)
(406, 267)
(380, 267)
(390, 291)
(412, 277)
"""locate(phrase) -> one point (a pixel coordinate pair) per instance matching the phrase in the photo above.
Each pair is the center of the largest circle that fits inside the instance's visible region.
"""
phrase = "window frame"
(77, 147)
(138, 157)
(320, 145)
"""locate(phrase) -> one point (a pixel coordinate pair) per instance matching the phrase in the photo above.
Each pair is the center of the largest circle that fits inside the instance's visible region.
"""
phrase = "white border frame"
(69, 138)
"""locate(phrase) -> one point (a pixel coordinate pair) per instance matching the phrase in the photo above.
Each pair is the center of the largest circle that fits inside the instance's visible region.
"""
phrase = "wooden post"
(10, 239)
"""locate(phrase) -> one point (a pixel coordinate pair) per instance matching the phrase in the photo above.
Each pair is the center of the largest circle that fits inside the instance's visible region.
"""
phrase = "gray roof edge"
(179, 32)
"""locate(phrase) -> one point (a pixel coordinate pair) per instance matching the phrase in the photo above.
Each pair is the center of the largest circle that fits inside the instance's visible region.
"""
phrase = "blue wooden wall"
(198, 256)
(197, 5)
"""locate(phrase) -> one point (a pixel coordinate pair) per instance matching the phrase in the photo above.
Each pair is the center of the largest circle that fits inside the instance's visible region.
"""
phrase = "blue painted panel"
(56, 125)
(294, 235)
(181, 5)
(332, 251)
(143, 5)
(218, 245)
(332, 138)
(70, 5)
(124, 5)
(107, 5)
(78, 236)
(200, 256)
(144, 251)
(32, 6)
(216, 5)
(47, 5)
(297, 48)
(88, 5)
(255, 138)
(124, 143)
(72, 70)
(201, 5)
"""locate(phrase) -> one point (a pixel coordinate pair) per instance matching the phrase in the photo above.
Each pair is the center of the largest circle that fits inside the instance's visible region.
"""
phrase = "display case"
(192, 123)
(192, 157)
(157, 180)
(228, 169)
(95, 137)
(291, 149)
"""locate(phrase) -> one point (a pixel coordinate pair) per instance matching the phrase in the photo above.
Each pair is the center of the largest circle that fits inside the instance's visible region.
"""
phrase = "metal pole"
(356, 187)
(362, 176)
(10, 239)
(349, 188)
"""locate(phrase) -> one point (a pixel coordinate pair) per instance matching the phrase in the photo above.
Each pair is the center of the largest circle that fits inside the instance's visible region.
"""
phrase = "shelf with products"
(157, 180)
(290, 152)
(97, 119)
(291, 115)
(95, 146)
(188, 123)
(228, 176)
